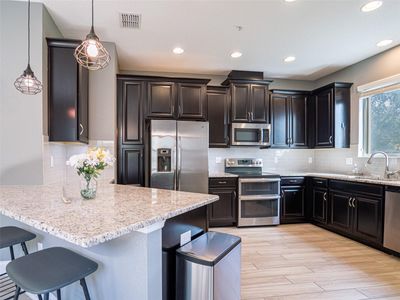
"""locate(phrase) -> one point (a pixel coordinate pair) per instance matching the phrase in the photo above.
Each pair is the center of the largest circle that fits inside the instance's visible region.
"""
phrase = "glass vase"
(88, 187)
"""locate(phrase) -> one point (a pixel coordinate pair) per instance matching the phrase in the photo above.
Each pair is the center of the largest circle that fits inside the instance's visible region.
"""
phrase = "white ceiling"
(324, 35)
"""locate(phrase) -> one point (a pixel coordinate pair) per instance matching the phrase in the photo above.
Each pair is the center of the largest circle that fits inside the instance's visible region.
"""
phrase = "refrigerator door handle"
(179, 163)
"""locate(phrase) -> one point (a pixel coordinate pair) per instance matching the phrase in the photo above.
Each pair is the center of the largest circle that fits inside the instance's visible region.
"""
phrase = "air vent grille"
(128, 20)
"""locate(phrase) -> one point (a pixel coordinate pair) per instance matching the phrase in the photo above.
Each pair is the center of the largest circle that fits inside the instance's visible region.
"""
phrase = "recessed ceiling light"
(178, 50)
(384, 43)
(370, 6)
(236, 54)
(290, 0)
(289, 59)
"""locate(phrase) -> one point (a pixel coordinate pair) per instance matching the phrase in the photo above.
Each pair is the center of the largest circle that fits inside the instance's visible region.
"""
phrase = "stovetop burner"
(247, 167)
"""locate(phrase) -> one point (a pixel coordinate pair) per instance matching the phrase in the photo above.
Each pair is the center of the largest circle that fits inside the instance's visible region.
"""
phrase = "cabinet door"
(298, 121)
(130, 166)
(161, 100)
(324, 119)
(341, 211)
(130, 101)
(259, 103)
(240, 102)
(280, 120)
(319, 205)
(218, 117)
(368, 219)
(83, 105)
(223, 211)
(292, 204)
(63, 95)
(192, 101)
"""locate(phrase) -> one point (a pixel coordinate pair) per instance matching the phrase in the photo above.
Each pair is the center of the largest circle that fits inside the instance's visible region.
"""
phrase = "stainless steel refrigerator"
(179, 155)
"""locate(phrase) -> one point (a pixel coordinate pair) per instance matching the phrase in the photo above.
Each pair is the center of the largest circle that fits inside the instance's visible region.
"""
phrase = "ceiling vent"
(128, 20)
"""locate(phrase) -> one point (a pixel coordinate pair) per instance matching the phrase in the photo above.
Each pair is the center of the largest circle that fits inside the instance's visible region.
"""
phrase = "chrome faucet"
(388, 173)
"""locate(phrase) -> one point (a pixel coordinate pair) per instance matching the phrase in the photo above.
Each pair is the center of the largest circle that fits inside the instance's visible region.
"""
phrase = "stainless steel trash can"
(208, 268)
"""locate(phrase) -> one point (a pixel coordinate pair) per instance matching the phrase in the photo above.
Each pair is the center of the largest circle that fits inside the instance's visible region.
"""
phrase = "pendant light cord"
(92, 13)
(29, 31)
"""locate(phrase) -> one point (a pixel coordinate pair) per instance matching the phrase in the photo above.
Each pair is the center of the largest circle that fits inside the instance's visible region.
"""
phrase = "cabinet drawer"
(221, 182)
(292, 181)
(357, 188)
(320, 182)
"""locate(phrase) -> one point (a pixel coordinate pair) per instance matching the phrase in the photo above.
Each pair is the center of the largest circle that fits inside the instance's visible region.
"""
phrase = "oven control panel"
(244, 162)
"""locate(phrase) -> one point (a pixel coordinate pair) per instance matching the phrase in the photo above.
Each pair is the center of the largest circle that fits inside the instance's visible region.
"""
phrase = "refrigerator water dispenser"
(164, 160)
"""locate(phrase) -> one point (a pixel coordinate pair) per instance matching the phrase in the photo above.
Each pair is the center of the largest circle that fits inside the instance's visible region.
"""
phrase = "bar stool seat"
(10, 236)
(50, 270)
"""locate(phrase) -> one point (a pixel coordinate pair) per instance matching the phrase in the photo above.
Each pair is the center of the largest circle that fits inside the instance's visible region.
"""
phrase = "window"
(380, 122)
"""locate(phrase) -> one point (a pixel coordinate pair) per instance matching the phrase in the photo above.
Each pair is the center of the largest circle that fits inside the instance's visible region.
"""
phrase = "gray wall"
(102, 99)
(21, 116)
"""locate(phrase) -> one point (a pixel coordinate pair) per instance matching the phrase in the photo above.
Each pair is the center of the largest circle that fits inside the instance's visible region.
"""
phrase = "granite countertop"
(117, 210)
(355, 178)
(221, 175)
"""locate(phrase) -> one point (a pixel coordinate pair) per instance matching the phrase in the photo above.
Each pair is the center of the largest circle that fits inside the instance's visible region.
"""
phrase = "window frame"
(364, 132)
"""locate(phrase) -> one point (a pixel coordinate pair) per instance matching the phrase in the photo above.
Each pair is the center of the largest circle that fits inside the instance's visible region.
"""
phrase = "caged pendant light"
(27, 83)
(91, 54)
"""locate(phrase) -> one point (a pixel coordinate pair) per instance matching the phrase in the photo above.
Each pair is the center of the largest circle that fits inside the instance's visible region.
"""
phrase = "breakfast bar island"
(121, 229)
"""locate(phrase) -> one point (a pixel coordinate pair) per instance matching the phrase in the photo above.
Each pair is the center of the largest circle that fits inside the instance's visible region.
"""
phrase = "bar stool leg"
(46, 296)
(17, 291)
(58, 295)
(40, 297)
(24, 248)
(12, 253)
(85, 289)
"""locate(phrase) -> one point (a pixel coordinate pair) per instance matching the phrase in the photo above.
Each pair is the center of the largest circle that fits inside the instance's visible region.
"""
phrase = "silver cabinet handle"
(325, 196)
(252, 115)
(349, 203)
(330, 139)
(222, 182)
(82, 129)
(354, 202)
(234, 194)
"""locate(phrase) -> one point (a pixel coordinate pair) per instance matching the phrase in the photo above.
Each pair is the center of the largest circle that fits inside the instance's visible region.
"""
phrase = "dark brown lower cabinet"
(320, 205)
(224, 211)
(131, 166)
(292, 204)
(357, 211)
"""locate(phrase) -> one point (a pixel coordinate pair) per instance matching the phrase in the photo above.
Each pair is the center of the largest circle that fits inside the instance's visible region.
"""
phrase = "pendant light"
(27, 83)
(91, 54)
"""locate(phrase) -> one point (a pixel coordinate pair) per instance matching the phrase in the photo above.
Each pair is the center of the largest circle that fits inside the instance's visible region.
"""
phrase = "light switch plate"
(218, 160)
(39, 246)
(349, 161)
(51, 161)
(186, 237)
(310, 160)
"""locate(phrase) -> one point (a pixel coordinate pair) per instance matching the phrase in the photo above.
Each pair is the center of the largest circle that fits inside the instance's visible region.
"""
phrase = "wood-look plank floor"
(303, 261)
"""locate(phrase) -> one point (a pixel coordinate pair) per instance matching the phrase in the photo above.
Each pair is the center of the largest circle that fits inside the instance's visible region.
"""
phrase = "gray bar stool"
(9, 237)
(50, 270)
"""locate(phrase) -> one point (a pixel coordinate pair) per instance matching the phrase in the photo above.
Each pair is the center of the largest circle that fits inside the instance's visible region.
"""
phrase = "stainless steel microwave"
(250, 134)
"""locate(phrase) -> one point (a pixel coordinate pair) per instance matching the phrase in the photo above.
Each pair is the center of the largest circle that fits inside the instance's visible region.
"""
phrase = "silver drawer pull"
(222, 182)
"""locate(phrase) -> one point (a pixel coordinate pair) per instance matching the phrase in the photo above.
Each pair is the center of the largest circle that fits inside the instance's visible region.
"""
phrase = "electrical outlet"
(40, 246)
(310, 160)
(218, 160)
(186, 237)
(276, 159)
(51, 161)
(349, 161)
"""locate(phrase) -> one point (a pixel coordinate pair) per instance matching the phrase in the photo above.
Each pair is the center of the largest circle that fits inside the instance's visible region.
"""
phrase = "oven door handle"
(260, 197)
(248, 180)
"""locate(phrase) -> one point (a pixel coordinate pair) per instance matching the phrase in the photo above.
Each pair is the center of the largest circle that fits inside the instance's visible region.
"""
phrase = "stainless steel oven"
(259, 201)
(258, 192)
(247, 134)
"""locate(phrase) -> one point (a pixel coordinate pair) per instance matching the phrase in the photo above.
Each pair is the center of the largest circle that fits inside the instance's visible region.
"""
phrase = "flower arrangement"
(89, 165)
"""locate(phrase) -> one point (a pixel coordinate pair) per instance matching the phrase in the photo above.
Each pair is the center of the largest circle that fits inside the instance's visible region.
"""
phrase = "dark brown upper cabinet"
(161, 101)
(68, 93)
(250, 101)
(218, 116)
(177, 99)
(131, 94)
(331, 110)
(289, 119)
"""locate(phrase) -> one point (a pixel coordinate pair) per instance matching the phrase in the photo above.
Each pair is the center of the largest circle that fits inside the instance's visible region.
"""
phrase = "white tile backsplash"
(59, 172)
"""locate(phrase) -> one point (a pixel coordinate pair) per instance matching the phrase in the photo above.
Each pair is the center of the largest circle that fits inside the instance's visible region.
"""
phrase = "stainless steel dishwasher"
(391, 235)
